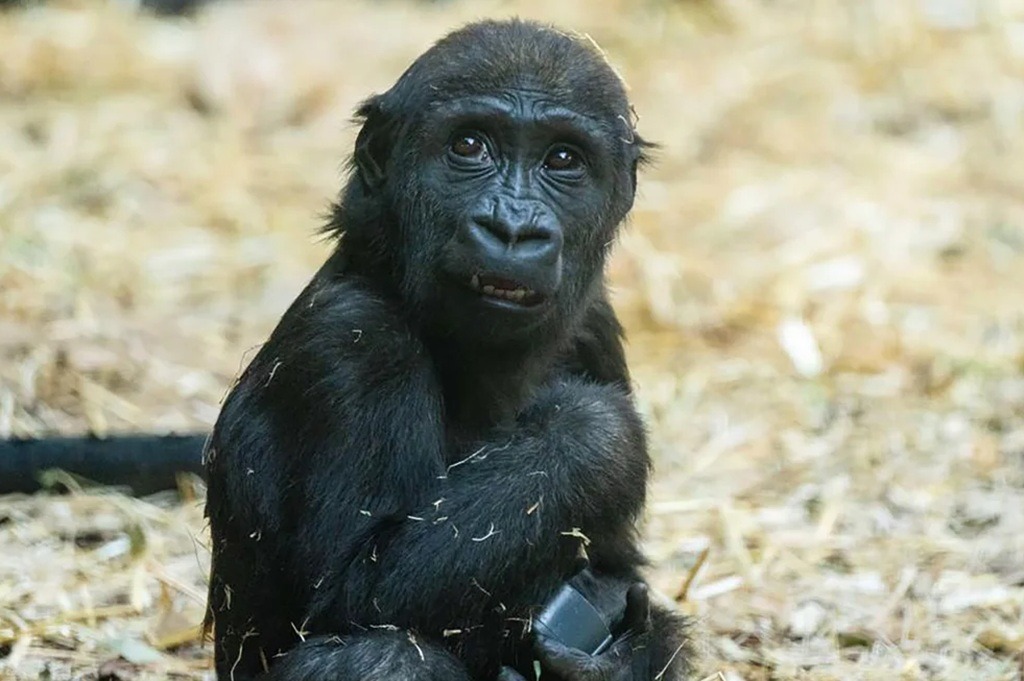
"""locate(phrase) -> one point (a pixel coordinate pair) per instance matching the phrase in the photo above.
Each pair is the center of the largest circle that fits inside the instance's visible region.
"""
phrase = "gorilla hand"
(628, 658)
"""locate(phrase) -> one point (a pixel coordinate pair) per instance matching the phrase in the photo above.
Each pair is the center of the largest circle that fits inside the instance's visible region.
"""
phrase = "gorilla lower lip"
(504, 289)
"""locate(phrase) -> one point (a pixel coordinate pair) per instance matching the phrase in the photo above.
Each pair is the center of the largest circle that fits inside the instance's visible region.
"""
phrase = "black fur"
(406, 453)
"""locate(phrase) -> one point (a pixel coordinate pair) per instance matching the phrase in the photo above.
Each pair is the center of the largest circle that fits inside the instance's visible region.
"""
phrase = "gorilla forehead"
(491, 57)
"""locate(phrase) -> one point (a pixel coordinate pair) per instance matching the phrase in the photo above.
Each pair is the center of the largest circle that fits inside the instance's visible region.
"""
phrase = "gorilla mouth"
(504, 289)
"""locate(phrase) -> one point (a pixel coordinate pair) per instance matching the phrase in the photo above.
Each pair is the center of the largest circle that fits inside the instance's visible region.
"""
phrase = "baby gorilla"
(442, 421)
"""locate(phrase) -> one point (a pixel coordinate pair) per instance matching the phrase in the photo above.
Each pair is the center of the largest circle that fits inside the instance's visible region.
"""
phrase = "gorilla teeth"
(516, 295)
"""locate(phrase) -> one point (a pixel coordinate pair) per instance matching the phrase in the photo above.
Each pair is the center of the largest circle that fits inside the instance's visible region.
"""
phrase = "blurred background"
(822, 282)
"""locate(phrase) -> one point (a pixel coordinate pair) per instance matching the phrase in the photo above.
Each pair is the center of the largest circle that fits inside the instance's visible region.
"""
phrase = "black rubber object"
(144, 463)
(573, 621)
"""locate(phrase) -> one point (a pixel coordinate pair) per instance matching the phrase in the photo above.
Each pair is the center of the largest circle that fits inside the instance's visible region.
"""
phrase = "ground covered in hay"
(822, 283)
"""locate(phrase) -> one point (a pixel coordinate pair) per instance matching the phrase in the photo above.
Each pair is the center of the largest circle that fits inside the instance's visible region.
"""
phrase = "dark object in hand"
(573, 621)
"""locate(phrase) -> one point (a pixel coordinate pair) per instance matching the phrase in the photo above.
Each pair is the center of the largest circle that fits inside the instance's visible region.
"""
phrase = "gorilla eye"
(562, 158)
(468, 146)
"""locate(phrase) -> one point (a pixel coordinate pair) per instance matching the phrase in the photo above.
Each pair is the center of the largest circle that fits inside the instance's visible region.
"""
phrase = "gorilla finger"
(638, 609)
(564, 661)
(581, 563)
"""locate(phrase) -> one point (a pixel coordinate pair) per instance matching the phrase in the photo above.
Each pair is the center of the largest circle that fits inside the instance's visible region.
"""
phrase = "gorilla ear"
(643, 155)
(373, 143)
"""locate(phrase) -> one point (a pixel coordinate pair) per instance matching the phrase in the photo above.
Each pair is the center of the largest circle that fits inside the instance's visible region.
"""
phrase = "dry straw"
(822, 283)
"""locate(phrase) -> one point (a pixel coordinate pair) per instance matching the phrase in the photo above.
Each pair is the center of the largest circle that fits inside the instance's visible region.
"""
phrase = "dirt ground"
(822, 283)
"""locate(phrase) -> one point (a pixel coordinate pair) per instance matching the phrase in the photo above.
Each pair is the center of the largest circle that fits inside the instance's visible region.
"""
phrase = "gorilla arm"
(512, 513)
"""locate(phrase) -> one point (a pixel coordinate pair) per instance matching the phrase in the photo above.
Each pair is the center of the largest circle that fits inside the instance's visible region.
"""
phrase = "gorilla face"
(501, 170)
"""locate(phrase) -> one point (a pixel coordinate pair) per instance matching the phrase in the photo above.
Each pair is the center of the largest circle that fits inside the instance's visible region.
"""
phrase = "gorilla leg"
(376, 655)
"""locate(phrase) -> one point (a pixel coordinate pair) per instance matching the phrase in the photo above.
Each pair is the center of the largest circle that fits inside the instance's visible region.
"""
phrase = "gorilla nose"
(518, 236)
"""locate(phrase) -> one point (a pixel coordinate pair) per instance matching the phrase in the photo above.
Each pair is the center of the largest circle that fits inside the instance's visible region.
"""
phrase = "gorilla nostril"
(511, 233)
(489, 227)
(534, 232)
